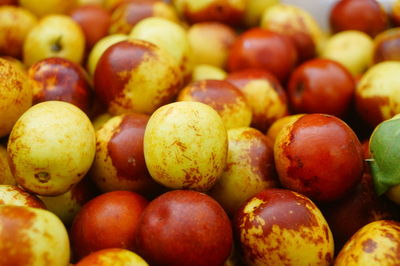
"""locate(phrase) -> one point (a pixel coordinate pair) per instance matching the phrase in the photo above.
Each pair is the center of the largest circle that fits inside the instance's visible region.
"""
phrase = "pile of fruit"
(199, 132)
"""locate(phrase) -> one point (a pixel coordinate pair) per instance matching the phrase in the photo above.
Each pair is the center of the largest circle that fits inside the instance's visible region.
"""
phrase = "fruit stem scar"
(42, 177)
(56, 46)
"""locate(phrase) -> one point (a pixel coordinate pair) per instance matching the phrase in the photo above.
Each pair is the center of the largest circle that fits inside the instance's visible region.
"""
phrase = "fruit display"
(199, 132)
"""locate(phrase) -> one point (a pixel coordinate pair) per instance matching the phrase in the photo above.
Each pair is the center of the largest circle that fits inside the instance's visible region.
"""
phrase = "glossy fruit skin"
(184, 227)
(260, 48)
(32, 236)
(282, 227)
(263, 93)
(319, 156)
(363, 15)
(225, 98)
(14, 195)
(376, 243)
(60, 79)
(387, 46)
(107, 221)
(321, 86)
(112, 256)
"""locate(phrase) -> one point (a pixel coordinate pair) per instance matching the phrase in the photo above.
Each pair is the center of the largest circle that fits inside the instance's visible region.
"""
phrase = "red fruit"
(319, 156)
(259, 48)
(363, 15)
(321, 86)
(107, 221)
(184, 227)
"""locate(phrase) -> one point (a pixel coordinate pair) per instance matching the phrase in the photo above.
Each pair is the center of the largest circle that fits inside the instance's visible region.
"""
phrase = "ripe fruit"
(13, 195)
(202, 72)
(184, 227)
(45, 40)
(112, 257)
(225, 98)
(386, 46)
(277, 126)
(107, 221)
(185, 146)
(319, 156)
(15, 95)
(46, 7)
(254, 10)
(279, 226)
(51, 147)
(6, 177)
(32, 236)
(136, 76)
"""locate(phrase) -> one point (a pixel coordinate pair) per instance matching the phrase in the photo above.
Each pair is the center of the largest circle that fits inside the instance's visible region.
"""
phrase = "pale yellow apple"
(51, 147)
(45, 7)
(99, 48)
(16, 22)
(203, 71)
(54, 36)
(254, 10)
(353, 49)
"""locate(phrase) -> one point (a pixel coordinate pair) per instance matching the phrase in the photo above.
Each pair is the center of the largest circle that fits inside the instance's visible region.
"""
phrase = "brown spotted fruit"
(59, 79)
(51, 147)
(321, 86)
(261, 48)
(249, 169)
(378, 93)
(15, 95)
(6, 176)
(107, 221)
(225, 98)
(32, 236)
(264, 94)
(136, 76)
(230, 12)
(377, 243)
(112, 257)
(319, 156)
(282, 227)
(185, 146)
(14, 195)
(129, 13)
(184, 227)
(119, 162)
(364, 15)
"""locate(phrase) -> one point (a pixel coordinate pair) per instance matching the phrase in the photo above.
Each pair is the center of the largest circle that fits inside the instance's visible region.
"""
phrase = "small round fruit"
(184, 227)
(387, 46)
(51, 147)
(112, 257)
(13, 195)
(254, 10)
(107, 221)
(376, 243)
(185, 146)
(282, 227)
(32, 236)
(15, 95)
(225, 98)
(136, 76)
(202, 72)
(6, 177)
(47, 7)
(277, 126)
(319, 156)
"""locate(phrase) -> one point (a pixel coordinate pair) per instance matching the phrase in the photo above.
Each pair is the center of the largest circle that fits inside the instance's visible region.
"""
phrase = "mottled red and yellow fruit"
(112, 257)
(119, 162)
(16, 22)
(229, 12)
(129, 13)
(15, 95)
(277, 126)
(32, 236)
(210, 43)
(387, 46)
(225, 98)
(6, 177)
(136, 76)
(184, 227)
(107, 221)
(282, 227)
(60, 79)
(67, 205)
(261, 48)
(13, 195)
(51, 147)
(298, 25)
(263, 93)
(376, 243)
(378, 93)
(249, 169)
(319, 156)
(321, 86)
(185, 146)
